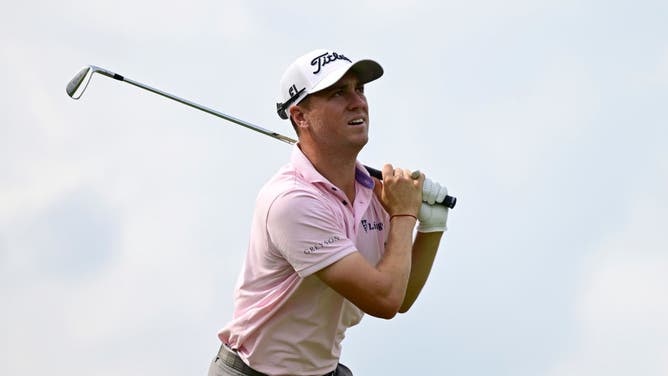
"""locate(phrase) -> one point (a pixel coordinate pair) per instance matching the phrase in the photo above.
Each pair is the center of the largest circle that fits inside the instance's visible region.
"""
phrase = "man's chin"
(362, 136)
(361, 141)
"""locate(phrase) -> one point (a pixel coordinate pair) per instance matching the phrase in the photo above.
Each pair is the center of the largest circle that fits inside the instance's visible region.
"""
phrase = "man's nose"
(356, 100)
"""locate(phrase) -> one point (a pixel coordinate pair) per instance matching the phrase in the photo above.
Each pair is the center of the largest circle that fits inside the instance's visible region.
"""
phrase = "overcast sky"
(124, 217)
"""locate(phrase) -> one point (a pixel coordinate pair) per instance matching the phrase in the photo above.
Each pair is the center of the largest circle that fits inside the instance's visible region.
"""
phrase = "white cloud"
(523, 129)
(662, 68)
(137, 21)
(622, 308)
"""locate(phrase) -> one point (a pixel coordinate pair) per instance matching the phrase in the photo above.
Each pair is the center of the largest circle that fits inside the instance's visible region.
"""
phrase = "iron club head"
(79, 82)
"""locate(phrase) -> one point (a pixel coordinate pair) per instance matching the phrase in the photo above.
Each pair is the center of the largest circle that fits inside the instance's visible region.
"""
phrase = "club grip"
(448, 201)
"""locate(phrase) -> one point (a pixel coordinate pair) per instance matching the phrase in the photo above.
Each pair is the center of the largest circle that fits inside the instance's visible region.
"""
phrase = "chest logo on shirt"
(371, 226)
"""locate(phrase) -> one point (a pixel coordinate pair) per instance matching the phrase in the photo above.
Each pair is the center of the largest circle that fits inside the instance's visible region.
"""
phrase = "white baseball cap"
(318, 70)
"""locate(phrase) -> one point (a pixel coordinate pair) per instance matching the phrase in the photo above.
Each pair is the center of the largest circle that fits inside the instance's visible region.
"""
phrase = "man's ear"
(298, 116)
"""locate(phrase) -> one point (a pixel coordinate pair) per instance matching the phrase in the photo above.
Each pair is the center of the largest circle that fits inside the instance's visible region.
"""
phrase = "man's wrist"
(403, 215)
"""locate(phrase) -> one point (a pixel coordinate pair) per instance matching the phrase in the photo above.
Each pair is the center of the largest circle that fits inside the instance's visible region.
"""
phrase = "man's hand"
(432, 218)
(433, 192)
(400, 193)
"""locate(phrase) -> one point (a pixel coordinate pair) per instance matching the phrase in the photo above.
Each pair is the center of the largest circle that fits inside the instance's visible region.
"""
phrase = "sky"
(124, 216)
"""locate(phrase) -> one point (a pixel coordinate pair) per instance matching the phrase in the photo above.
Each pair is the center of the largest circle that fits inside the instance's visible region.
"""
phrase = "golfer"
(328, 243)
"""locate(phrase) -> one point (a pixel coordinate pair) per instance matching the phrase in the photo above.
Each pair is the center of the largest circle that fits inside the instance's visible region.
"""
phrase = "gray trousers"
(228, 363)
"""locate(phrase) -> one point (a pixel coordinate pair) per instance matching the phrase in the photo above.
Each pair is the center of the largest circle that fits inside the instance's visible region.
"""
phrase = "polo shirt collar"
(310, 174)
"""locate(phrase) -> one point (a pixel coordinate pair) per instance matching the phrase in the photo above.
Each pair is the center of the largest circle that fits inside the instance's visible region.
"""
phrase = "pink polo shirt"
(286, 321)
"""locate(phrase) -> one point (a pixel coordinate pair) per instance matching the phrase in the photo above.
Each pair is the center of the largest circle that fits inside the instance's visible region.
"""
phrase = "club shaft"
(449, 201)
(208, 110)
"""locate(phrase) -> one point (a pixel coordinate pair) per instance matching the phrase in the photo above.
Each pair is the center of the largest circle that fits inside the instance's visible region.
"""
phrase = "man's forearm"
(425, 247)
(396, 261)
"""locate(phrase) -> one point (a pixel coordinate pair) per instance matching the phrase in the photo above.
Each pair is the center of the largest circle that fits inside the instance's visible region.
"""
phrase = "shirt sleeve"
(309, 233)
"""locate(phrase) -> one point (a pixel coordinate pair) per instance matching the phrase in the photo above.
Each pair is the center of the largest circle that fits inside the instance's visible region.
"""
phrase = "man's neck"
(337, 167)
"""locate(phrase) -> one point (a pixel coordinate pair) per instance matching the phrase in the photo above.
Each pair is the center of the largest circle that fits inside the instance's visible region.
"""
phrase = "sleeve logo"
(315, 247)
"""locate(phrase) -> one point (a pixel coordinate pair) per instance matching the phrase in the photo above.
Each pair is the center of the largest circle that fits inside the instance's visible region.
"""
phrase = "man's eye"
(360, 89)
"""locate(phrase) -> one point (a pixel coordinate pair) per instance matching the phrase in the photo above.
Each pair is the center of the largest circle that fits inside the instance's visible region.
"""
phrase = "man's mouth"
(358, 121)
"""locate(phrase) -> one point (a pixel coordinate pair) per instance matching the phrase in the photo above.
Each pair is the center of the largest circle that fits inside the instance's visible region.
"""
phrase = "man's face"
(339, 115)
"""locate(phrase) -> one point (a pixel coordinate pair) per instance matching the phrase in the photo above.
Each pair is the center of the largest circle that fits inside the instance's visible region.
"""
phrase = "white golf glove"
(433, 192)
(432, 218)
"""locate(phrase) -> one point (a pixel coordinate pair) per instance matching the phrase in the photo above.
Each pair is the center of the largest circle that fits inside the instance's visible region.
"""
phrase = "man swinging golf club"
(328, 242)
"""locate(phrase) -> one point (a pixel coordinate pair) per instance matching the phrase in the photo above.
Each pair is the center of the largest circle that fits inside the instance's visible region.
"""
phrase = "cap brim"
(366, 71)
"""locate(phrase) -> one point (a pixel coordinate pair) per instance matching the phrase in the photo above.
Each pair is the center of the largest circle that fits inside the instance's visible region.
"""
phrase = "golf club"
(79, 83)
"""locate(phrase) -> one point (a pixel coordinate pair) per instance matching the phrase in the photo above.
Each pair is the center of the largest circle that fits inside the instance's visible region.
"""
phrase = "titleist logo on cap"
(326, 58)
